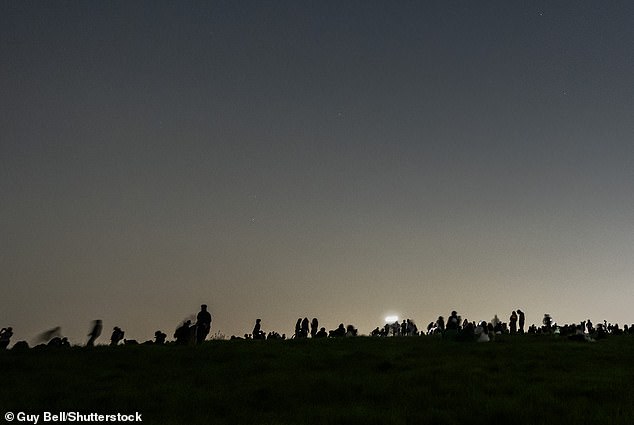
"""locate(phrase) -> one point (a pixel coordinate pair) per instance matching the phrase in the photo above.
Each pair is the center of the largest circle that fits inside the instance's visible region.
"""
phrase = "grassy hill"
(515, 380)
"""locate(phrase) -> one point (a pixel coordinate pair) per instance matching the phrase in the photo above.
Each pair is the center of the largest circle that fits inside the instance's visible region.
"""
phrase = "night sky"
(339, 159)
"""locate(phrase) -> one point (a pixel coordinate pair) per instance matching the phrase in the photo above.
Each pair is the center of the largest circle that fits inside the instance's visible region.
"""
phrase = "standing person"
(513, 322)
(520, 314)
(453, 322)
(257, 330)
(94, 333)
(314, 327)
(404, 328)
(298, 328)
(203, 324)
(304, 330)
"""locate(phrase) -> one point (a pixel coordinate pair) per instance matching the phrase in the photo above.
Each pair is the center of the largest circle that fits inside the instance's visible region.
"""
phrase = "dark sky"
(345, 160)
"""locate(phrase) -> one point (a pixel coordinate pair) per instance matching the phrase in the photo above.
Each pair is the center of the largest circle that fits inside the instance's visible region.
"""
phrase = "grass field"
(514, 380)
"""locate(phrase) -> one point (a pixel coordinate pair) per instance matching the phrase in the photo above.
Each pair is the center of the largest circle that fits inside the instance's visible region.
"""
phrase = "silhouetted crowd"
(303, 329)
(454, 328)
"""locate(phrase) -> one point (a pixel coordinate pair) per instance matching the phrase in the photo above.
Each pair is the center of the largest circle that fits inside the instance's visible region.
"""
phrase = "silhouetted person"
(412, 329)
(339, 332)
(440, 324)
(453, 322)
(305, 327)
(94, 333)
(467, 331)
(351, 330)
(257, 330)
(117, 335)
(298, 328)
(203, 324)
(182, 333)
(5, 337)
(495, 321)
(322, 333)
(482, 332)
(513, 322)
(159, 337)
(547, 322)
(314, 327)
(520, 315)
(274, 336)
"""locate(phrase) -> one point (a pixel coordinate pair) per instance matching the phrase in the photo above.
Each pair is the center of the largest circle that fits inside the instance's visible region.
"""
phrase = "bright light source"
(391, 319)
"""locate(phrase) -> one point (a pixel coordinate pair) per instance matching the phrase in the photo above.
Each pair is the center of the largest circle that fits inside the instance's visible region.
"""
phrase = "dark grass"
(514, 380)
